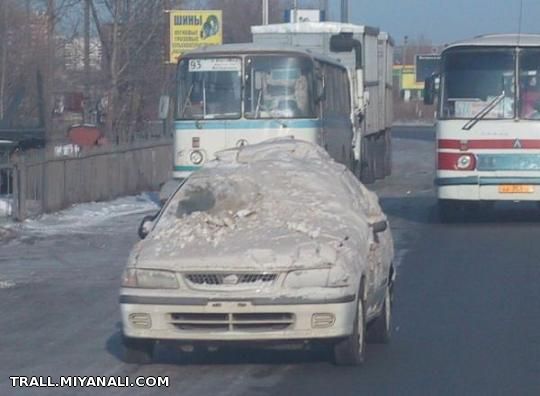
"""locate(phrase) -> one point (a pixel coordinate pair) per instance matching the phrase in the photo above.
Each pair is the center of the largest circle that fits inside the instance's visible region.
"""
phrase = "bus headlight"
(196, 157)
(464, 162)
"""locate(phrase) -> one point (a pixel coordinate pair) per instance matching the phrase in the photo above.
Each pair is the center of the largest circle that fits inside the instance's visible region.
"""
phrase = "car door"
(380, 245)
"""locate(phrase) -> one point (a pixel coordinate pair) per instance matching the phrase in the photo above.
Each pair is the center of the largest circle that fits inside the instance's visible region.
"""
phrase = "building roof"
(500, 40)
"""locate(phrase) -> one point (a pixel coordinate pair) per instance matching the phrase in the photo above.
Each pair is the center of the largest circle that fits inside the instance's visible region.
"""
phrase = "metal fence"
(44, 181)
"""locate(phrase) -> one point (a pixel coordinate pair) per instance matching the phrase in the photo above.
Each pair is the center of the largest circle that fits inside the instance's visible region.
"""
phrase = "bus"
(238, 94)
(488, 122)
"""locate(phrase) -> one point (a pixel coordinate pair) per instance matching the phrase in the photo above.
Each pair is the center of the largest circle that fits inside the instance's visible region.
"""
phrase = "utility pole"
(49, 70)
(3, 67)
(345, 11)
(265, 12)
(324, 8)
(86, 59)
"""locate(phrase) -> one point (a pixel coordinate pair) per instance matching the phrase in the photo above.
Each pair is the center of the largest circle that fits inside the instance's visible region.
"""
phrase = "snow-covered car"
(269, 242)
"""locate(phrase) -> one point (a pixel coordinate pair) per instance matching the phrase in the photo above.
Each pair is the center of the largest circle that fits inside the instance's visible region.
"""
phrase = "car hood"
(273, 249)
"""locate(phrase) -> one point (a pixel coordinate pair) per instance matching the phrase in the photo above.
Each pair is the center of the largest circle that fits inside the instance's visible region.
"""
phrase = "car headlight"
(149, 279)
(307, 278)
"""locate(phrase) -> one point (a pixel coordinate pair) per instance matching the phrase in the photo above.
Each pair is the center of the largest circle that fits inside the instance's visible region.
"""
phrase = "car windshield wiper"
(484, 112)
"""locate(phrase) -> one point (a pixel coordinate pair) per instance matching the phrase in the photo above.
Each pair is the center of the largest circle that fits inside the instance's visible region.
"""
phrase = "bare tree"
(3, 61)
(131, 34)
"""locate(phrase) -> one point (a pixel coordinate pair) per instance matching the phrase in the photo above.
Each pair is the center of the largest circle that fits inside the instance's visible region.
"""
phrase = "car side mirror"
(379, 226)
(146, 226)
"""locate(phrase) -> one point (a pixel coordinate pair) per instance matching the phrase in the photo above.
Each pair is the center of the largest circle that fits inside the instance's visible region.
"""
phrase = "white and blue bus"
(238, 94)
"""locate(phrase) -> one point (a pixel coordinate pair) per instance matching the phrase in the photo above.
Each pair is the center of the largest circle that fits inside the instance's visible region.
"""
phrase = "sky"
(442, 21)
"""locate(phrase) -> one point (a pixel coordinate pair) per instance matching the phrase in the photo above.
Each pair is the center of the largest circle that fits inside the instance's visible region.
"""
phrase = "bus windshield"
(475, 78)
(279, 87)
(209, 88)
(529, 75)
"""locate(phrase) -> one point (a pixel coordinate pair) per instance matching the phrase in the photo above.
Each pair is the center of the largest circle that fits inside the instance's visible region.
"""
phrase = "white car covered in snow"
(269, 242)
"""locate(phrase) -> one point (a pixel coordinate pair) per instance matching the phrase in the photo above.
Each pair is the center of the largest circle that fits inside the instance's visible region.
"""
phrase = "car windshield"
(209, 88)
(215, 196)
(279, 87)
(474, 79)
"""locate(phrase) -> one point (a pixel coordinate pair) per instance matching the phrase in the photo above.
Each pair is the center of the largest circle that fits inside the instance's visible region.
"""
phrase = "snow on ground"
(6, 284)
(84, 218)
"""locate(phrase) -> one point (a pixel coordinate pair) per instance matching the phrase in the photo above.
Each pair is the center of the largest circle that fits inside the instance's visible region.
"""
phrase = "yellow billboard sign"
(190, 29)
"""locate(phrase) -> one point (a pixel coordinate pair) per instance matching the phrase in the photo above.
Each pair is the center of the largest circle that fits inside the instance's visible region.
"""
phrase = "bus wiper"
(484, 112)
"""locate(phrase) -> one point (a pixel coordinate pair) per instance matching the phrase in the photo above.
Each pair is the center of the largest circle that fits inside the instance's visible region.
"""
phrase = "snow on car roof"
(262, 199)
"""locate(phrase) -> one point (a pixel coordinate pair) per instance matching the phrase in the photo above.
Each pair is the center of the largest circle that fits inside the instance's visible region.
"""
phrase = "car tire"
(137, 350)
(380, 330)
(351, 350)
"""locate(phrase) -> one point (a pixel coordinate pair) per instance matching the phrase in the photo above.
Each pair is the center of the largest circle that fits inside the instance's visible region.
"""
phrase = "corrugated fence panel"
(53, 183)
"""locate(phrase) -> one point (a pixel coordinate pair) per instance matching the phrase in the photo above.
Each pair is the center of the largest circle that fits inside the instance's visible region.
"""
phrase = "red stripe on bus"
(489, 144)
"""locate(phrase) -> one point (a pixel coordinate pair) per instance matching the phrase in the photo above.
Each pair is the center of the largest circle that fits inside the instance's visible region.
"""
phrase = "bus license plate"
(516, 189)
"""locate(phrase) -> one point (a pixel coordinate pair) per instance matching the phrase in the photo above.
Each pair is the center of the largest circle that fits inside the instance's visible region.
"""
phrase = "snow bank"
(6, 284)
(81, 217)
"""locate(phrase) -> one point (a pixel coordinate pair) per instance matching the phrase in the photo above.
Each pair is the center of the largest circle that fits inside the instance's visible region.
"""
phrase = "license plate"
(516, 189)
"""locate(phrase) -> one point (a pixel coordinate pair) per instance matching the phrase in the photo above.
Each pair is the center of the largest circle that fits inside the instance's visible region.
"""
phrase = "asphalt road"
(466, 313)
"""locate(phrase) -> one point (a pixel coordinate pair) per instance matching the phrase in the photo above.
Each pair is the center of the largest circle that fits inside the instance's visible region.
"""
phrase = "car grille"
(223, 322)
(229, 279)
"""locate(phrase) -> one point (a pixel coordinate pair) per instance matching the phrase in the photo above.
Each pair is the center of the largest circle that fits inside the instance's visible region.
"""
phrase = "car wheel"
(137, 350)
(380, 330)
(351, 350)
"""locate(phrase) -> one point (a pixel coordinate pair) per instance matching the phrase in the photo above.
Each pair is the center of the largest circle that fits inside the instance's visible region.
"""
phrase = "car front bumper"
(257, 319)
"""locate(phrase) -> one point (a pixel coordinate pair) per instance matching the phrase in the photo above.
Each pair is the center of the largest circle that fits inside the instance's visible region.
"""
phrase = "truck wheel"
(351, 350)
(380, 160)
(367, 175)
(137, 350)
(379, 331)
(388, 153)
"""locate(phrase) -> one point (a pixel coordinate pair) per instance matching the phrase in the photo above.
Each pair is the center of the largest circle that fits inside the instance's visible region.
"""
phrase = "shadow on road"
(423, 210)
(171, 353)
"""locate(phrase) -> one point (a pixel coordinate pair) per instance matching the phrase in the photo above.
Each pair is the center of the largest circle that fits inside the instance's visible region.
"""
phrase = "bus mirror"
(429, 90)
(345, 42)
